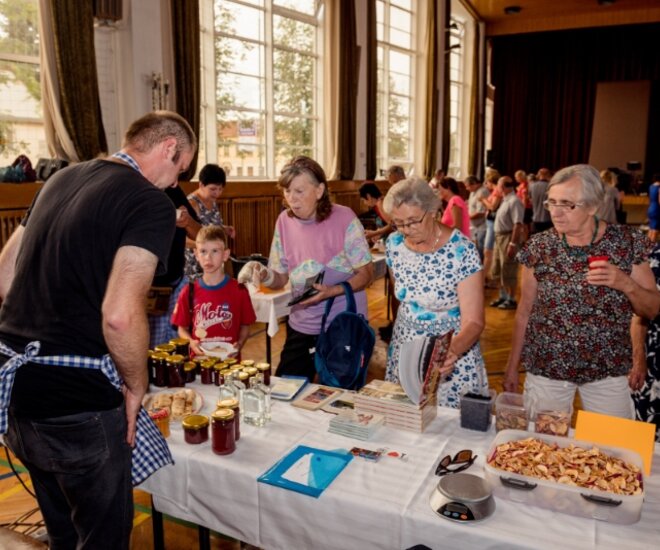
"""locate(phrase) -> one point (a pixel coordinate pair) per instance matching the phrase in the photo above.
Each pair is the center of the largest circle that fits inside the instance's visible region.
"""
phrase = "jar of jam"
(160, 368)
(218, 378)
(189, 372)
(175, 371)
(165, 348)
(223, 431)
(199, 359)
(232, 403)
(230, 361)
(181, 346)
(161, 418)
(250, 371)
(264, 368)
(206, 372)
(151, 366)
(195, 429)
(247, 363)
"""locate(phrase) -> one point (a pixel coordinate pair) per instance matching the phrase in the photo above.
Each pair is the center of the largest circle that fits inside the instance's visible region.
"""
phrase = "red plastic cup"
(592, 259)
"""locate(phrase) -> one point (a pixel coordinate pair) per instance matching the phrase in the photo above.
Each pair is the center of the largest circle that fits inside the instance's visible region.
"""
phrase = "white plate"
(198, 401)
(218, 349)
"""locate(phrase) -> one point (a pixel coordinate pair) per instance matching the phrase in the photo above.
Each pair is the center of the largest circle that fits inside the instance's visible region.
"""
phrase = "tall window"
(267, 84)
(396, 61)
(21, 126)
(456, 92)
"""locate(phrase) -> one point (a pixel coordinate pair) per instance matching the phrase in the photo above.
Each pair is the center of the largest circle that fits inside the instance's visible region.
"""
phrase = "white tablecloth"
(370, 505)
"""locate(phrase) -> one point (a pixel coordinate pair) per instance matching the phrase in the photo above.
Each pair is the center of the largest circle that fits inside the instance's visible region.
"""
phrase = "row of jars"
(168, 366)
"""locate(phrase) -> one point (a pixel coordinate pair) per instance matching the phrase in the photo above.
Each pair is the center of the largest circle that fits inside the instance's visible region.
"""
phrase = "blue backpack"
(344, 349)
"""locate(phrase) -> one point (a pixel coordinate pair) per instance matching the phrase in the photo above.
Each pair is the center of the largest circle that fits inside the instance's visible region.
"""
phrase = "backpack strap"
(191, 294)
(350, 304)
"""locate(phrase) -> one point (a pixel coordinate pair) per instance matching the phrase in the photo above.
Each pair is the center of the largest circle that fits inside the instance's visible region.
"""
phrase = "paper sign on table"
(617, 432)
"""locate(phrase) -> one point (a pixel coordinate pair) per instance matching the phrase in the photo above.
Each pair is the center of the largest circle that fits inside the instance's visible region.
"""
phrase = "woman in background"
(456, 213)
(654, 208)
(611, 202)
(204, 200)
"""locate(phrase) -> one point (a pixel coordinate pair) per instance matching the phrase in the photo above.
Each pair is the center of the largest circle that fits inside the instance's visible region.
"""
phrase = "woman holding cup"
(581, 283)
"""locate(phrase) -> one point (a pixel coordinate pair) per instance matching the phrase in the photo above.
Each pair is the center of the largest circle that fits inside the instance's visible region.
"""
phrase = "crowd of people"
(74, 277)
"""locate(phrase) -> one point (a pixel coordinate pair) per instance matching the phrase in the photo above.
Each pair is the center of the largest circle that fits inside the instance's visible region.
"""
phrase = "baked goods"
(179, 403)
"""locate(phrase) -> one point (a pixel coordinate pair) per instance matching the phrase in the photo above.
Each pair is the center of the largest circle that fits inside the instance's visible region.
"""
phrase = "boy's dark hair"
(211, 233)
(212, 174)
(451, 184)
(371, 189)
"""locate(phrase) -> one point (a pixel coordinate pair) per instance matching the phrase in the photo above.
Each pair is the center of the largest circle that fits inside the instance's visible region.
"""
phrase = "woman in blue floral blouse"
(582, 281)
(438, 279)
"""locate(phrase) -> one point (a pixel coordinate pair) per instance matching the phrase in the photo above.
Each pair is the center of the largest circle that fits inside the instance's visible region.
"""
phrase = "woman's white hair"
(413, 192)
(593, 190)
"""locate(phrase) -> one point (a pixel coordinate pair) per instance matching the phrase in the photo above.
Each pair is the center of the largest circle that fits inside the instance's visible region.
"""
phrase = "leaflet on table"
(356, 424)
(420, 361)
(316, 396)
(287, 387)
(306, 470)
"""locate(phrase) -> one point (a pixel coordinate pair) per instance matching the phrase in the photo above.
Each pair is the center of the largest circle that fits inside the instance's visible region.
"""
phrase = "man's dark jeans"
(81, 472)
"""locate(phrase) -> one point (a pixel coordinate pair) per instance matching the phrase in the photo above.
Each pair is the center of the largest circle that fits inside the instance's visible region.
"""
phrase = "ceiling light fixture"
(512, 10)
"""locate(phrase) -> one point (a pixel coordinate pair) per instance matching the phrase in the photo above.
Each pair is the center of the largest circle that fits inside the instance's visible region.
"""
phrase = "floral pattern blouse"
(647, 399)
(206, 216)
(577, 331)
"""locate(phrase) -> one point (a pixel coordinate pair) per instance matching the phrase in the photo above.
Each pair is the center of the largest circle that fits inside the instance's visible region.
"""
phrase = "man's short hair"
(155, 127)
(396, 170)
(211, 233)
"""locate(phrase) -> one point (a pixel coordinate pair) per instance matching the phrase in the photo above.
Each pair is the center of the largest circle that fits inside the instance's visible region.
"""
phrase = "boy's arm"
(183, 332)
(243, 334)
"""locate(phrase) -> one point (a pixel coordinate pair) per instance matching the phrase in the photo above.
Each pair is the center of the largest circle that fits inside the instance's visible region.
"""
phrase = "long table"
(370, 505)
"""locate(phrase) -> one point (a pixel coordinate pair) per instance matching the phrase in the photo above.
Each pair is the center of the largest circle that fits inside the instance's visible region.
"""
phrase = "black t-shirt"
(75, 226)
(177, 260)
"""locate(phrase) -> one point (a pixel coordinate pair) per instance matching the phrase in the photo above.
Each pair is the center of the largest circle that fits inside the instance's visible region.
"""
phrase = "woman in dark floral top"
(582, 281)
(646, 343)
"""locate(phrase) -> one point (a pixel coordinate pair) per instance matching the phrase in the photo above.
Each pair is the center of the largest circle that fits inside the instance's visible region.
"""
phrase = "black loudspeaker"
(490, 157)
(47, 167)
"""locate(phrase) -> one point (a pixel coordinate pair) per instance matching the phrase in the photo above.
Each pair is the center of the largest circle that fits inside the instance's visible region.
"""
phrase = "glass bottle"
(239, 380)
(262, 387)
(227, 390)
(254, 405)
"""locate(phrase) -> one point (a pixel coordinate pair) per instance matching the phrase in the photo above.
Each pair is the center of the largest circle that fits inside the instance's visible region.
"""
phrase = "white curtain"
(57, 137)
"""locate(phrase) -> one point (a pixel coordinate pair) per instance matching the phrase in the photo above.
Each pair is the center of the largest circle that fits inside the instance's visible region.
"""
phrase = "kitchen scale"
(462, 498)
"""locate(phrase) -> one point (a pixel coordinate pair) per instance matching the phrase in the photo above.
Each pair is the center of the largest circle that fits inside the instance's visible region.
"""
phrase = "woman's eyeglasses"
(414, 223)
(562, 205)
(461, 461)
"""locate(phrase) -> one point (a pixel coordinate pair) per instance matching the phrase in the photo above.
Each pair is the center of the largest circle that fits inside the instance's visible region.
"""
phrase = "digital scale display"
(456, 511)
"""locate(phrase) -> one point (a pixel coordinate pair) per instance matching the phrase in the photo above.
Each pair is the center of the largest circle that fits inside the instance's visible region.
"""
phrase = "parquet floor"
(15, 501)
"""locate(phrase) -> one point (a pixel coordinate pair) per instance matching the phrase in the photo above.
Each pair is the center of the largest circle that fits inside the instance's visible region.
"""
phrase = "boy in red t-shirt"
(221, 310)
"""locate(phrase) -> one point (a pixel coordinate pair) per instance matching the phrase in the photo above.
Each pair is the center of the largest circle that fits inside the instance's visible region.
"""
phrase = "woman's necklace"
(432, 247)
(577, 251)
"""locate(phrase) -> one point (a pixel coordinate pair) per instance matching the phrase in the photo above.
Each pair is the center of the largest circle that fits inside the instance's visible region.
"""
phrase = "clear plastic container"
(510, 412)
(551, 418)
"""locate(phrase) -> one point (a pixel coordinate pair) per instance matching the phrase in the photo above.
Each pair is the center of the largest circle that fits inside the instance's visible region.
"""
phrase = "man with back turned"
(73, 332)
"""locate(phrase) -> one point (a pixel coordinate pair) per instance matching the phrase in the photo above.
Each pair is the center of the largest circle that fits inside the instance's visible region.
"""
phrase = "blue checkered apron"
(150, 452)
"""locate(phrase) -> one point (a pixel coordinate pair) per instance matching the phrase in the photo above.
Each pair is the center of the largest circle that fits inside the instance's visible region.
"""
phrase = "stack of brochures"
(389, 399)
(356, 425)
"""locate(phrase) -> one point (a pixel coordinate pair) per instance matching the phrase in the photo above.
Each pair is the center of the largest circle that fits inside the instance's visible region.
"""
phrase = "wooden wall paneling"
(9, 221)
(254, 222)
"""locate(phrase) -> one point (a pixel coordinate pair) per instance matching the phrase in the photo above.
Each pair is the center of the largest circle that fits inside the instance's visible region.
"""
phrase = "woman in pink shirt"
(456, 213)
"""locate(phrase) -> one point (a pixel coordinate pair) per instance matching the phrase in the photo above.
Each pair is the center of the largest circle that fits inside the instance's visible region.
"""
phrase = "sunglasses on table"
(462, 461)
